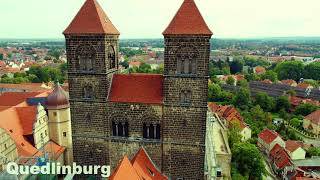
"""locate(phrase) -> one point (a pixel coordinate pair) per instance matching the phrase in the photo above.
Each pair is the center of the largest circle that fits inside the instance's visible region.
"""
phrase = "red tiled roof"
(125, 171)
(296, 101)
(305, 178)
(137, 88)
(275, 150)
(304, 85)
(27, 116)
(289, 82)
(135, 63)
(267, 81)
(15, 98)
(31, 87)
(91, 19)
(314, 117)
(10, 121)
(145, 167)
(188, 21)
(280, 157)
(259, 70)
(268, 135)
(291, 145)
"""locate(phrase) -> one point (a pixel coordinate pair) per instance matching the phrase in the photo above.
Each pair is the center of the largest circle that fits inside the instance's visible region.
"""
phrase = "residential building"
(230, 116)
(289, 82)
(311, 122)
(8, 150)
(267, 139)
(295, 149)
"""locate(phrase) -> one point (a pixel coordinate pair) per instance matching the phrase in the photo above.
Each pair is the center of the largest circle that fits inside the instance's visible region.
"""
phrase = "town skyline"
(227, 19)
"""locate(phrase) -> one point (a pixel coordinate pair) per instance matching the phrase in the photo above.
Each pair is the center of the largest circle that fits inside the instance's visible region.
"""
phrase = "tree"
(1, 56)
(283, 103)
(271, 75)
(311, 71)
(266, 102)
(295, 122)
(242, 99)
(305, 109)
(125, 64)
(258, 114)
(243, 83)
(248, 160)
(313, 151)
(236, 66)
(290, 70)
(234, 135)
(230, 80)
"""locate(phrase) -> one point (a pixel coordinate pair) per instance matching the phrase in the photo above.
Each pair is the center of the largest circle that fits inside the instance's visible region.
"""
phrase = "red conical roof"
(91, 19)
(188, 21)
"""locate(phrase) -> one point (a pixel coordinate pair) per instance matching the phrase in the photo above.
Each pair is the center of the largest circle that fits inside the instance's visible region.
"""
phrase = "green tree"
(242, 99)
(230, 80)
(283, 103)
(271, 75)
(234, 135)
(266, 102)
(312, 70)
(1, 56)
(248, 160)
(236, 66)
(243, 83)
(125, 64)
(290, 70)
(305, 109)
(295, 122)
(313, 151)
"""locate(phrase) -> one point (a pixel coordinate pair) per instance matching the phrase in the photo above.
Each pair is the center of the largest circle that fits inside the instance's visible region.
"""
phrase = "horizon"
(228, 19)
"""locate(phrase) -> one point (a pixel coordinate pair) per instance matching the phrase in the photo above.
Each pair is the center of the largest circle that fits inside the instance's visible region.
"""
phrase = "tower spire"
(91, 19)
(188, 21)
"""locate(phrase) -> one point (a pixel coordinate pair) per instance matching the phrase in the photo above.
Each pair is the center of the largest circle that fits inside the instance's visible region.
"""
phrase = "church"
(115, 115)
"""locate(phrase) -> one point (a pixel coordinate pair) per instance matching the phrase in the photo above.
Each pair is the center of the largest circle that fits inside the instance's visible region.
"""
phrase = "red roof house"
(267, 139)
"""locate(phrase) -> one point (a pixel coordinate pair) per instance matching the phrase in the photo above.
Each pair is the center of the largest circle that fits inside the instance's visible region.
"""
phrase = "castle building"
(115, 114)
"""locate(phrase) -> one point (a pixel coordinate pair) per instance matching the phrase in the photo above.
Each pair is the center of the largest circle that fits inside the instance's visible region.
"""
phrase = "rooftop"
(268, 135)
(91, 19)
(188, 21)
(137, 88)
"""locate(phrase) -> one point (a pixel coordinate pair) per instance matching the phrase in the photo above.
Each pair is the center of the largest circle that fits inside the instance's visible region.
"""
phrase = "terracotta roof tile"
(314, 117)
(91, 19)
(15, 98)
(304, 85)
(291, 145)
(125, 171)
(27, 117)
(188, 21)
(280, 157)
(268, 135)
(137, 88)
(289, 82)
(145, 167)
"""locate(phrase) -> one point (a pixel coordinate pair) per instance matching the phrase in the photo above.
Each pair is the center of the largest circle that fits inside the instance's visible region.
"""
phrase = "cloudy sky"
(148, 18)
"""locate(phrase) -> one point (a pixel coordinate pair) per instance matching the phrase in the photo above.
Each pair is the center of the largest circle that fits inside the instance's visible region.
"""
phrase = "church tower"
(186, 61)
(92, 44)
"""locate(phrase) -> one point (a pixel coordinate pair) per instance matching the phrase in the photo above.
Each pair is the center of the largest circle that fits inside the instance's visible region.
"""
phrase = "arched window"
(88, 118)
(86, 58)
(151, 131)
(186, 61)
(112, 57)
(185, 97)
(88, 92)
(120, 129)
